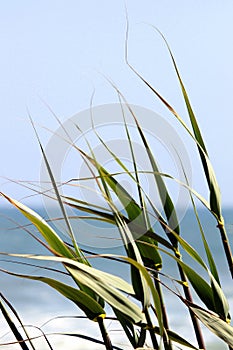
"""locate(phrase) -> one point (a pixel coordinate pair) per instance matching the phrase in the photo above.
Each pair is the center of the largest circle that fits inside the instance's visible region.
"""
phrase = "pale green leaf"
(215, 324)
(54, 241)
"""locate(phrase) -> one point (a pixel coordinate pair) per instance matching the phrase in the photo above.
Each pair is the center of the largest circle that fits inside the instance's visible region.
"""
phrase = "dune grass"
(139, 305)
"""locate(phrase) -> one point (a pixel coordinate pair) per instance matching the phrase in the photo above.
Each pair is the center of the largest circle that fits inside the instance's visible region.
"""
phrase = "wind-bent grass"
(139, 305)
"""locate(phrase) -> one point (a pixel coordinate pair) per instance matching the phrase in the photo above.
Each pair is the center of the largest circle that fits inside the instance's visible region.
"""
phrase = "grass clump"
(139, 305)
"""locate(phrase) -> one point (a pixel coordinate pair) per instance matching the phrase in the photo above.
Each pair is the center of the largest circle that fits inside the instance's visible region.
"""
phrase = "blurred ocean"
(40, 306)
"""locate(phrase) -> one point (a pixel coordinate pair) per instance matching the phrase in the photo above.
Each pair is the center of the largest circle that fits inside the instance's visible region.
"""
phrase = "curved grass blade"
(85, 337)
(209, 255)
(129, 243)
(111, 295)
(220, 302)
(168, 176)
(58, 247)
(17, 317)
(85, 302)
(165, 198)
(85, 204)
(130, 205)
(171, 217)
(215, 196)
(153, 290)
(133, 210)
(108, 216)
(137, 229)
(221, 307)
(134, 213)
(138, 279)
(150, 256)
(76, 335)
(108, 278)
(54, 241)
(211, 179)
(70, 231)
(167, 203)
(106, 285)
(43, 335)
(215, 324)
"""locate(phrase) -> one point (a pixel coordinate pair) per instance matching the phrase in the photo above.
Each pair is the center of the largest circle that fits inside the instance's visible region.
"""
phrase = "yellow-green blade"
(51, 237)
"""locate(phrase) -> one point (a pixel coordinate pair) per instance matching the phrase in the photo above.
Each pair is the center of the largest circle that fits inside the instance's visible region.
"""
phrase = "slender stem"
(13, 328)
(196, 325)
(152, 334)
(106, 338)
(166, 340)
(228, 252)
(142, 338)
(226, 247)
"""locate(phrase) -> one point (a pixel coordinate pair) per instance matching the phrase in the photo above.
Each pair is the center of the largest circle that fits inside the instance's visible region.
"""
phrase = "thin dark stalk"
(17, 317)
(166, 341)
(105, 335)
(13, 328)
(188, 296)
(152, 334)
(142, 338)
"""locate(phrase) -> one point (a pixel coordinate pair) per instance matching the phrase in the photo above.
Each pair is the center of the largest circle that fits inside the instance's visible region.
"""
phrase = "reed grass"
(139, 306)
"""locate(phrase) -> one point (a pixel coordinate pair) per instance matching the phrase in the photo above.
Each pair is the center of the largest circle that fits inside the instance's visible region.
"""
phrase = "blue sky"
(57, 51)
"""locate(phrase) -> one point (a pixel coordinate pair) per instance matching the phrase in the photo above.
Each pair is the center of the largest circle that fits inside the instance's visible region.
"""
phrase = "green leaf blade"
(54, 241)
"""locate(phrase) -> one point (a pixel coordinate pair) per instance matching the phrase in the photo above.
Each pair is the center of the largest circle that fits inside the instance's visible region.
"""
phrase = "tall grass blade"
(126, 235)
(70, 231)
(133, 211)
(215, 196)
(150, 256)
(154, 292)
(222, 307)
(212, 265)
(166, 200)
(214, 191)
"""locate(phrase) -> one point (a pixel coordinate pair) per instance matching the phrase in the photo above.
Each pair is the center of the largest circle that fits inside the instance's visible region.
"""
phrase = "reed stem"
(166, 341)
(105, 335)
(196, 325)
(226, 247)
(152, 334)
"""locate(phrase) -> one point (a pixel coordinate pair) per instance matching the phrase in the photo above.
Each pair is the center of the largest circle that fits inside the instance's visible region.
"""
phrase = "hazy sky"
(56, 51)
